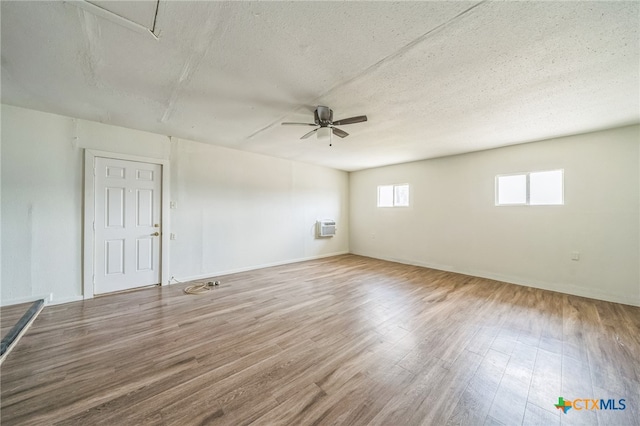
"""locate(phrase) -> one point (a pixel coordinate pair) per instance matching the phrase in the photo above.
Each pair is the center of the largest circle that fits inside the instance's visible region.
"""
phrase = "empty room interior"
(309, 213)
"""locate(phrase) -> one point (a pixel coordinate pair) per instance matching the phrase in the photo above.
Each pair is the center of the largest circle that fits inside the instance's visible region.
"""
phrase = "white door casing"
(125, 204)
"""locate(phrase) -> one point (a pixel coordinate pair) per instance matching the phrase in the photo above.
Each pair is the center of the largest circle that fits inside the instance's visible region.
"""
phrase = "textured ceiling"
(434, 78)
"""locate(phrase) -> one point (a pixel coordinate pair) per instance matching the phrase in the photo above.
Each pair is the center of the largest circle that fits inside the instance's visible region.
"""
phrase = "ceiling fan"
(323, 117)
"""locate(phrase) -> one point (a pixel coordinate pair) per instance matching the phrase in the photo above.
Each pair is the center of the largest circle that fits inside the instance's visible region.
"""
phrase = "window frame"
(393, 197)
(527, 188)
(497, 189)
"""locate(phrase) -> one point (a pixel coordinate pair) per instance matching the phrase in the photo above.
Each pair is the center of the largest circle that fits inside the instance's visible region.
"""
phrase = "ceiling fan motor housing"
(323, 116)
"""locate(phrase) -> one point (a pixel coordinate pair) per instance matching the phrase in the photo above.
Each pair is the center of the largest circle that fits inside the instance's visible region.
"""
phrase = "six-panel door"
(127, 224)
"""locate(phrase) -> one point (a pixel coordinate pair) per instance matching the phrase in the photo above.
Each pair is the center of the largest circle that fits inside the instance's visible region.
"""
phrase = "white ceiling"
(434, 78)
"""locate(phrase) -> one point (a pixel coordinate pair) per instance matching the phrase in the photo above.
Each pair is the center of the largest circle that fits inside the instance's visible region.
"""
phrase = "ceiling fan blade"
(351, 120)
(339, 132)
(297, 124)
(310, 133)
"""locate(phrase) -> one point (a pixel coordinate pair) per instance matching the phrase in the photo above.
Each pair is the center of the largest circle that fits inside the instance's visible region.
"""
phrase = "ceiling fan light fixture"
(324, 133)
(325, 126)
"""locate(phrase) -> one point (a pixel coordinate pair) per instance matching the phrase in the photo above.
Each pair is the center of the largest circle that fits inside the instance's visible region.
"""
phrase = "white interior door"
(127, 224)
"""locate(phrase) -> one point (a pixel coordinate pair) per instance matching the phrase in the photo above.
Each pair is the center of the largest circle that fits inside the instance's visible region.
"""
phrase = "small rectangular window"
(401, 195)
(512, 190)
(393, 195)
(385, 196)
(546, 188)
(533, 189)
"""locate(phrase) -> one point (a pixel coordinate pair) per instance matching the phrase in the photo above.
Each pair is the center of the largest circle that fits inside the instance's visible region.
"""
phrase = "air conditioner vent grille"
(325, 228)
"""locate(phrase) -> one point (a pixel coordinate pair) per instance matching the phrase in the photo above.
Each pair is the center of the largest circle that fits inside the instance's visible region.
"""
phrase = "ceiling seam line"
(189, 68)
(384, 60)
(155, 17)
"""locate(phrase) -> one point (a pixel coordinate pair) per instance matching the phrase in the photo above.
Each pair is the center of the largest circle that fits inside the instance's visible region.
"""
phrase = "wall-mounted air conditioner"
(325, 228)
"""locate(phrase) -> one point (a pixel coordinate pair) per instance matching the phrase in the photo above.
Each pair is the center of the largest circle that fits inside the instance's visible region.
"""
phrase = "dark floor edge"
(12, 337)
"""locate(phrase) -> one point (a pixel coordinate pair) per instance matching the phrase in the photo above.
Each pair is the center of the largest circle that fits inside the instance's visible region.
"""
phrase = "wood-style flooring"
(10, 315)
(346, 340)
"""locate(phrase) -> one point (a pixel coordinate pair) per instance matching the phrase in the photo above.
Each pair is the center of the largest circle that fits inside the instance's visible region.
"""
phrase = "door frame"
(88, 258)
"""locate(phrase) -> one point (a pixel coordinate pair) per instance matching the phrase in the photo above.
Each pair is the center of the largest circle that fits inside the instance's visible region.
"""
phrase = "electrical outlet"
(173, 205)
(575, 255)
(173, 236)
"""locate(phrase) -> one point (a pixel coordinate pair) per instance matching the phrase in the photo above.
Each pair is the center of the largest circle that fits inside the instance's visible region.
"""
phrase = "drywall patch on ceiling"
(203, 41)
(137, 16)
(90, 56)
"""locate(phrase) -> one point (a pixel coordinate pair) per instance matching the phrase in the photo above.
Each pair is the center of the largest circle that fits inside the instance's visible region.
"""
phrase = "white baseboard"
(49, 299)
(254, 267)
(557, 287)
(66, 300)
(17, 301)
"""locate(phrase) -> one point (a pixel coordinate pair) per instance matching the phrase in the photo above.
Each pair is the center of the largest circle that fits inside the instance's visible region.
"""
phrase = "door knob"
(155, 234)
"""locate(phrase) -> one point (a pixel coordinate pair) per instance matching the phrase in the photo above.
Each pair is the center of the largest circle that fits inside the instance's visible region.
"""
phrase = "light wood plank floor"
(345, 340)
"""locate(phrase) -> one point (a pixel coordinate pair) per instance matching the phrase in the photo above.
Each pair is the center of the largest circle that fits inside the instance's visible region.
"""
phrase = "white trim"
(254, 267)
(562, 288)
(88, 254)
(46, 297)
(63, 300)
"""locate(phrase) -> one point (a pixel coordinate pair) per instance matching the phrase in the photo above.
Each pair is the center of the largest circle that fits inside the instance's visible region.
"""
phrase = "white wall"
(453, 224)
(235, 210)
(41, 206)
(241, 211)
